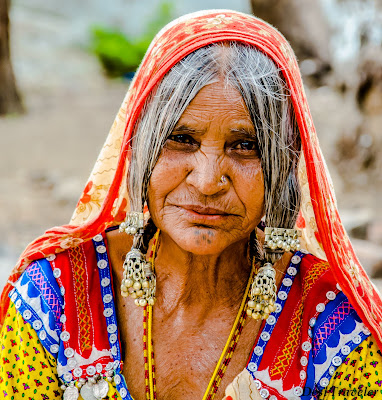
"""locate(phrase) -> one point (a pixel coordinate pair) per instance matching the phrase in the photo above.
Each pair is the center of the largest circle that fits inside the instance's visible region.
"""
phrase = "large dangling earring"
(263, 290)
(139, 280)
(263, 293)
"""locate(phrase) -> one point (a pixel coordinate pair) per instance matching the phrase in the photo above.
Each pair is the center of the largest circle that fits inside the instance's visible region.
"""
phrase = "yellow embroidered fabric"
(27, 370)
(359, 376)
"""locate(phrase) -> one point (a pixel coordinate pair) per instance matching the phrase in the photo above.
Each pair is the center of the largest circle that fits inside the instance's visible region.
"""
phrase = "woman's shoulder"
(43, 277)
(64, 281)
(334, 326)
(314, 269)
(312, 332)
(67, 298)
(323, 299)
(332, 319)
(39, 299)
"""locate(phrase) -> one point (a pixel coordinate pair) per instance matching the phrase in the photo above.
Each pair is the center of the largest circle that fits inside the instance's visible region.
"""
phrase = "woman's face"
(207, 191)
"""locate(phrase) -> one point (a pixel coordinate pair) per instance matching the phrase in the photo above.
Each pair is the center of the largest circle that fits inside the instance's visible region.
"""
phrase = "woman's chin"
(203, 241)
(202, 250)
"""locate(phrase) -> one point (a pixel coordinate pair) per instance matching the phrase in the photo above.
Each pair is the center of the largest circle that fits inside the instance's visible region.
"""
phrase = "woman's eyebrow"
(187, 129)
(244, 131)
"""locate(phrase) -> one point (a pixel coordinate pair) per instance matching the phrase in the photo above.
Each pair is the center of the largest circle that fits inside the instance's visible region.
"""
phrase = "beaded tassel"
(263, 293)
(139, 280)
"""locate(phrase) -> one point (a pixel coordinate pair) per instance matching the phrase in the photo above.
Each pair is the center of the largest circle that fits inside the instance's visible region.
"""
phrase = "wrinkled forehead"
(193, 31)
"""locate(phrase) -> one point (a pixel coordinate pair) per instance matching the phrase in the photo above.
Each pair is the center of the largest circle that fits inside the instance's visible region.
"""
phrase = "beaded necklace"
(225, 357)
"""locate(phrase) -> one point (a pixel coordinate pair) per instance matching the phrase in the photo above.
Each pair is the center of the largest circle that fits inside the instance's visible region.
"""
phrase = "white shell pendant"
(87, 393)
(71, 393)
(100, 389)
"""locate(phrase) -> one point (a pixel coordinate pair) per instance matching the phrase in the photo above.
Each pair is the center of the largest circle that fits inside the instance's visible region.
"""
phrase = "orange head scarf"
(104, 201)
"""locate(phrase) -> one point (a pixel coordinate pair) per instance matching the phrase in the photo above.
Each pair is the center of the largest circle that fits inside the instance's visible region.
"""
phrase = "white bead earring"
(133, 223)
(263, 290)
(139, 280)
(282, 239)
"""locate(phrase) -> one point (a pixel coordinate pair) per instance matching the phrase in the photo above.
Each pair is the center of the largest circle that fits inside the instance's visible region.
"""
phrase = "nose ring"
(223, 180)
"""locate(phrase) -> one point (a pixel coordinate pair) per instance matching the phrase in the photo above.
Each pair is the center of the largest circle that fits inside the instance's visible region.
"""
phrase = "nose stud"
(223, 180)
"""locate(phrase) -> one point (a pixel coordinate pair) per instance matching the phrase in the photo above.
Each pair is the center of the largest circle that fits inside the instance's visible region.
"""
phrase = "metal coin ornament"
(87, 392)
(263, 293)
(100, 389)
(139, 280)
(71, 393)
(281, 239)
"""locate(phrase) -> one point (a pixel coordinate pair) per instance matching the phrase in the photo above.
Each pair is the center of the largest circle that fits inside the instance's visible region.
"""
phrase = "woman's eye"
(246, 145)
(181, 138)
(181, 141)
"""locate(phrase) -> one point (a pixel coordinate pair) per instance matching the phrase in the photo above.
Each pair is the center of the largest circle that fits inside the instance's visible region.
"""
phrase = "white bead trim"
(282, 295)
(320, 307)
(252, 367)
(330, 295)
(102, 264)
(69, 352)
(306, 346)
(101, 249)
(65, 336)
(57, 273)
(302, 375)
(265, 336)
(298, 391)
(324, 382)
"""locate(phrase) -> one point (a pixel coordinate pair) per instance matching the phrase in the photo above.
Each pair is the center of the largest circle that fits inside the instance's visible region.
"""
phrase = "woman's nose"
(208, 175)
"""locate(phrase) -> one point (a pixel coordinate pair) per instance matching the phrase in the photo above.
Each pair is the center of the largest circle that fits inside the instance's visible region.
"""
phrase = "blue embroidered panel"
(339, 317)
(336, 333)
(38, 298)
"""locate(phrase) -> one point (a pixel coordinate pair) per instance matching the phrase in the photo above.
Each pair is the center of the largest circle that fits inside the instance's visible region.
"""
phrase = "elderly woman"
(213, 162)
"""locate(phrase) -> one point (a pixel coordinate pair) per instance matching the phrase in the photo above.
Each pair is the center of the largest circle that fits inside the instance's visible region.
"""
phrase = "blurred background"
(65, 67)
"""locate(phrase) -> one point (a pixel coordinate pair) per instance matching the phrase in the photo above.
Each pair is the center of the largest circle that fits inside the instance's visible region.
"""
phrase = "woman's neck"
(190, 281)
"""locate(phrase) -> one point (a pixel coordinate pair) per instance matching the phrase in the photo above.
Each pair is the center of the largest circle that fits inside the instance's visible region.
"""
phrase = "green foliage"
(120, 54)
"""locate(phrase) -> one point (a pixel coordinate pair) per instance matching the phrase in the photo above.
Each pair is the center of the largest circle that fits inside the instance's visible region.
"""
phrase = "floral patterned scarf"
(104, 201)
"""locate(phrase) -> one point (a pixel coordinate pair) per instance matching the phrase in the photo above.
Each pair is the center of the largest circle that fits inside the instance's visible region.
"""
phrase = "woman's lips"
(202, 214)
(204, 210)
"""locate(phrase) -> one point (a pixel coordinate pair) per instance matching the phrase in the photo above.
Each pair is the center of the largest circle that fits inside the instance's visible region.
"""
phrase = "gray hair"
(266, 96)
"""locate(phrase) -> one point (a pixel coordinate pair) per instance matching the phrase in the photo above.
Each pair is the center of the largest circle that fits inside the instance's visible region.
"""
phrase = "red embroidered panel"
(83, 300)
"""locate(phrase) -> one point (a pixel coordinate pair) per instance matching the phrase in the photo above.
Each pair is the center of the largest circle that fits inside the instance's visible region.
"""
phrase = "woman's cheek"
(168, 173)
(249, 186)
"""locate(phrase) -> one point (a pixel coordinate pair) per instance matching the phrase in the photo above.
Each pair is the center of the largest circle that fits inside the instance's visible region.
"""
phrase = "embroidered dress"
(104, 202)
(51, 335)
